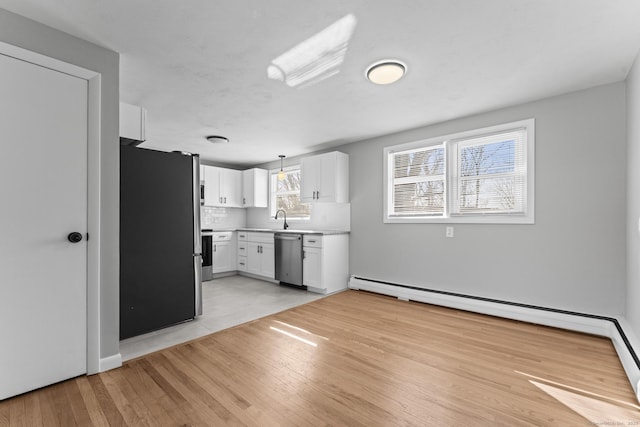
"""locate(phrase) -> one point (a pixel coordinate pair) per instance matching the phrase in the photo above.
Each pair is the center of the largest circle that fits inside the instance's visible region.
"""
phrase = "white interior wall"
(632, 300)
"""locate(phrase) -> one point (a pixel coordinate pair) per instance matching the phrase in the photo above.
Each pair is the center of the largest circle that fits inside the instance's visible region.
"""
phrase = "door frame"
(93, 189)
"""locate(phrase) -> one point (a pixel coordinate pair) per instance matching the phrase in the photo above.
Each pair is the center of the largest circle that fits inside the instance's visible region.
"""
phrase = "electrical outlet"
(449, 232)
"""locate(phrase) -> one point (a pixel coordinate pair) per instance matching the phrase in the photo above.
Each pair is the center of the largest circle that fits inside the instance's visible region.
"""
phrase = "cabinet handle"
(242, 263)
(314, 195)
(225, 200)
(244, 201)
(214, 248)
(318, 194)
(311, 241)
(220, 199)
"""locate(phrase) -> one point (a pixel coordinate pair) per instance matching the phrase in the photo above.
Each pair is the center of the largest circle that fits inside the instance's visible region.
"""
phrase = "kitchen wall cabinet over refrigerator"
(255, 186)
(325, 178)
(222, 187)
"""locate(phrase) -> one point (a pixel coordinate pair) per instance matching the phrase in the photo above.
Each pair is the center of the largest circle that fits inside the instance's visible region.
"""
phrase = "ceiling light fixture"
(281, 173)
(217, 139)
(386, 72)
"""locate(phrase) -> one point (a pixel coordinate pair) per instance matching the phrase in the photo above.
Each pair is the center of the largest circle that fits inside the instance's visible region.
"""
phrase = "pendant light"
(281, 173)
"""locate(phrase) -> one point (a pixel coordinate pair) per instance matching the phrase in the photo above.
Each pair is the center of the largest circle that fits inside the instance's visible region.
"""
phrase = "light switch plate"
(449, 232)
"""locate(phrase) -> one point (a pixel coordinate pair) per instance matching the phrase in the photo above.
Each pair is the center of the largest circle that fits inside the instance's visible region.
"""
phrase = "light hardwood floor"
(354, 359)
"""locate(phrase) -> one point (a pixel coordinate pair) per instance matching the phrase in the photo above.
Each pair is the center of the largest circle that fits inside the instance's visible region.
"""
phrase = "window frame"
(272, 173)
(451, 142)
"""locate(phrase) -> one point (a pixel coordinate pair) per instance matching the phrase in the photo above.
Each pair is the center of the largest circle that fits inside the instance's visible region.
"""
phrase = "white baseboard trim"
(110, 362)
(596, 325)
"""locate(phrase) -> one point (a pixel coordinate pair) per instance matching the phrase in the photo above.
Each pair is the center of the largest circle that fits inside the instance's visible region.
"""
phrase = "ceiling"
(287, 76)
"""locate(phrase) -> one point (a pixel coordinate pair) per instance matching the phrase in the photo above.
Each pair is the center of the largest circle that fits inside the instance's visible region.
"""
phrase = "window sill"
(485, 219)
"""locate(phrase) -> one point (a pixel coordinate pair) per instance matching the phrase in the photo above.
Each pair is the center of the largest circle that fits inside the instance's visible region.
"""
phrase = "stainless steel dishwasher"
(289, 258)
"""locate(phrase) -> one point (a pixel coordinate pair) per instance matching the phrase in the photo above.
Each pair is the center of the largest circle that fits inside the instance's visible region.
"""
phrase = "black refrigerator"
(160, 240)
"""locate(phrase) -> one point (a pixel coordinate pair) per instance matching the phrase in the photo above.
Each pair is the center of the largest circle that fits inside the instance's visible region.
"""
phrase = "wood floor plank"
(91, 403)
(355, 359)
(107, 404)
(206, 405)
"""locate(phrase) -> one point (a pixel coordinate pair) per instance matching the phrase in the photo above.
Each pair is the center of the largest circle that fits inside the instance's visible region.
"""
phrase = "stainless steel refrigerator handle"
(197, 235)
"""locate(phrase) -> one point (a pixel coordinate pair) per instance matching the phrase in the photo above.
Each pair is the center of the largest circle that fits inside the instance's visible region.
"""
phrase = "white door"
(43, 198)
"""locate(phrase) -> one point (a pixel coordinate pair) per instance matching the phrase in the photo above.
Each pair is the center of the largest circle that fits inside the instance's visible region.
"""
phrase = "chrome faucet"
(285, 217)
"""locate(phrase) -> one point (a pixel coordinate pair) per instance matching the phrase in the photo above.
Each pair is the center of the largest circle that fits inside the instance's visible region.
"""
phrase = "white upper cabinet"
(132, 122)
(325, 178)
(255, 186)
(222, 187)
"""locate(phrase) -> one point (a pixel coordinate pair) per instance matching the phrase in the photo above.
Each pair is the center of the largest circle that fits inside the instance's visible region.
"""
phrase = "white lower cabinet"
(242, 251)
(325, 263)
(224, 259)
(312, 267)
(261, 255)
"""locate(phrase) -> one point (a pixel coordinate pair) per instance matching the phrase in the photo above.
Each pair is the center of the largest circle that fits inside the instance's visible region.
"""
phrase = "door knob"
(74, 237)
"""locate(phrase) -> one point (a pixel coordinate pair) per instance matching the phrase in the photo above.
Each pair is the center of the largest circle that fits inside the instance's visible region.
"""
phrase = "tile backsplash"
(222, 218)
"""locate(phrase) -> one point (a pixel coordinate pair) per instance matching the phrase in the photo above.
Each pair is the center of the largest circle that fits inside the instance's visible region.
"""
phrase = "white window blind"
(490, 174)
(419, 181)
(478, 176)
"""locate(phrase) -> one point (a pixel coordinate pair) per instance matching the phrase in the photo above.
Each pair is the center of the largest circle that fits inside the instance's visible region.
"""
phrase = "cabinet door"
(231, 188)
(254, 258)
(255, 188)
(211, 186)
(309, 177)
(312, 267)
(268, 261)
(326, 178)
(247, 188)
(223, 258)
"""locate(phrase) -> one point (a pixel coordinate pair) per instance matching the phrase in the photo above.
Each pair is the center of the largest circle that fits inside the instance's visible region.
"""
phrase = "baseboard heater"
(576, 321)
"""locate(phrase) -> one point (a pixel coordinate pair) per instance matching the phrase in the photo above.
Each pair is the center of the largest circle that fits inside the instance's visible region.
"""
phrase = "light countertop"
(280, 230)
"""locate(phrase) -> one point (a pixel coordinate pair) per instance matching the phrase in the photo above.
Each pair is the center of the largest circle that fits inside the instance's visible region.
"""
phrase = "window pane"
(285, 194)
(497, 195)
(426, 162)
(425, 198)
(418, 182)
(292, 206)
(485, 159)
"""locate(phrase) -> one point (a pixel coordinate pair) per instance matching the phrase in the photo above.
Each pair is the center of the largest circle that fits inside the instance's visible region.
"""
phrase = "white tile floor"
(226, 302)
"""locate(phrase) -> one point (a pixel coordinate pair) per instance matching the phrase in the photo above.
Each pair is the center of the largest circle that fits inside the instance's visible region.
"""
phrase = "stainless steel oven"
(207, 254)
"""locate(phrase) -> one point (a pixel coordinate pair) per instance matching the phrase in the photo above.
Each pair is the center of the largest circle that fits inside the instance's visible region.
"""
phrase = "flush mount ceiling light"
(281, 173)
(217, 139)
(386, 72)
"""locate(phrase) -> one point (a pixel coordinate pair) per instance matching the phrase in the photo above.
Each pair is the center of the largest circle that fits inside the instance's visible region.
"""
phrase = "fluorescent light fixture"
(217, 139)
(315, 59)
(386, 72)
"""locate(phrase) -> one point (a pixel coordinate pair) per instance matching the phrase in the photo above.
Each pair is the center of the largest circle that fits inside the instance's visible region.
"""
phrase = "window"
(484, 175)
(285, 194)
